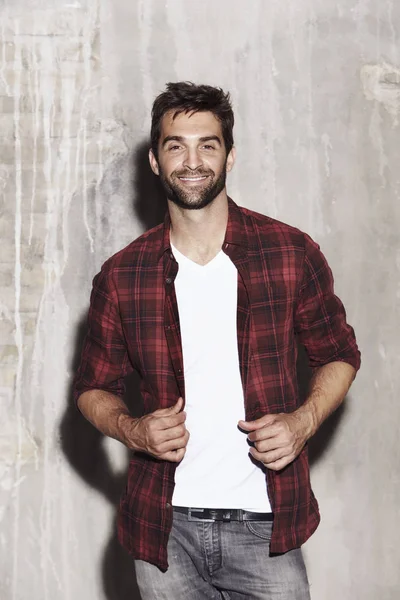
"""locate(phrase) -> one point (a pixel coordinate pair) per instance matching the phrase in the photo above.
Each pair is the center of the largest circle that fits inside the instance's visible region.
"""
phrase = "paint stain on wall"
(381, 82)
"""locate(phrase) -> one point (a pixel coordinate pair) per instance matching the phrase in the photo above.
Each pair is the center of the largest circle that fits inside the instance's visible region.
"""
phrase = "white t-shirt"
(217, 471)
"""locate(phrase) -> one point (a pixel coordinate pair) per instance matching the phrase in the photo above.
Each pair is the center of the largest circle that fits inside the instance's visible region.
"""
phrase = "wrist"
(308, 418)
(126, 424)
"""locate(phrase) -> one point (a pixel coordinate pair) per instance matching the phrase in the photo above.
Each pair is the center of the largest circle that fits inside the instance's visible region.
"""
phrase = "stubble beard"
(198, 197)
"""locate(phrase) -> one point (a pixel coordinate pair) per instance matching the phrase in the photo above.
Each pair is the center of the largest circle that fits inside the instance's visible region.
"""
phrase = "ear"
(153, 163)
(230, 161)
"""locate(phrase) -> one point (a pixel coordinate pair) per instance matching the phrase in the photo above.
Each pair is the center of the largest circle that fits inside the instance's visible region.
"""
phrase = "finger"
(173, 444)
(174, 456)
(272, 445)
(173, 433)
(265, 433)
(180, 454)
(257, 455)
(170, 421)
(266, 420)
(280, 464)
(272, 455)
(274, 465)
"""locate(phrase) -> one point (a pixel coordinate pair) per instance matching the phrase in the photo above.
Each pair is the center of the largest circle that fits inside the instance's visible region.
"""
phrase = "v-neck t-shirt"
(217, 470)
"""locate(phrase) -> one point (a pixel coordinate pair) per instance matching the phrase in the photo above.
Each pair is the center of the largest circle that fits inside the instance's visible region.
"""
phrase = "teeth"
(192, 178)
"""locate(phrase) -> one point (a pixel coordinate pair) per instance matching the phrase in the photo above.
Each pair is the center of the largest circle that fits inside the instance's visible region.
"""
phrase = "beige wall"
(316, 90)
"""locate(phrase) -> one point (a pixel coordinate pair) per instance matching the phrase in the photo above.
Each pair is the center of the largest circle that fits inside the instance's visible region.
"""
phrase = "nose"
(192, 159)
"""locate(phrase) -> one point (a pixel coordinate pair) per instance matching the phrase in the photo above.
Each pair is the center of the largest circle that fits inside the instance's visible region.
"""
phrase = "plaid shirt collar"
(236, 232)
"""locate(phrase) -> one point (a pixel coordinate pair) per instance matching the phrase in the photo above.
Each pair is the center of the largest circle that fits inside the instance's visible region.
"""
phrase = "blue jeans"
(214, 560)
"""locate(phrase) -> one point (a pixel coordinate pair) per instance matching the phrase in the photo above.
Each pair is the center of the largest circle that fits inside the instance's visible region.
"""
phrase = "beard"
(196, 197)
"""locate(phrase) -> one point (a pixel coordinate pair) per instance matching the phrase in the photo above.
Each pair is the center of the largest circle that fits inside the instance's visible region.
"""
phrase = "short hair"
(186, 97)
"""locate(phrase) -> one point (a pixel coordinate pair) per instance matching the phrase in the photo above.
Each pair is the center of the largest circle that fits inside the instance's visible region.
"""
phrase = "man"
(208, 308)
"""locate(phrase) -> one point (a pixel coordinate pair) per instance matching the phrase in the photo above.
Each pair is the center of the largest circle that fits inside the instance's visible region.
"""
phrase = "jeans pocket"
(261, 529)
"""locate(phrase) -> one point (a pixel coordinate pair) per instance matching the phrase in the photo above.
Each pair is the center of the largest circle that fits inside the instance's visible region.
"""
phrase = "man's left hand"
(277, 439)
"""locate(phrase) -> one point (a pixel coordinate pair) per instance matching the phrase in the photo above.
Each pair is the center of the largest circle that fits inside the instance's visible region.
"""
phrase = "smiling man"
(208, 308)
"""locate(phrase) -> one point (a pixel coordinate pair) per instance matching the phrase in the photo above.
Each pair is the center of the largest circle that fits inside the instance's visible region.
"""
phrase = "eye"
(208, 147)
(173, 148)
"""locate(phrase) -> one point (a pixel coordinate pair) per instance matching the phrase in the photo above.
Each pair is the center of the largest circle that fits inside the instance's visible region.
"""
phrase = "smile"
(193, 178)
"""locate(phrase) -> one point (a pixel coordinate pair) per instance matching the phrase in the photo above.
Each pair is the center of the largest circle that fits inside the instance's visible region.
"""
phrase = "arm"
(108, 413)
(99, 383)
(320, 323)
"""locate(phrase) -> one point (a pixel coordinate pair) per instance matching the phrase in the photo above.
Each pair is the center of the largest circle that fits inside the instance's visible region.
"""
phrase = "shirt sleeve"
(320, 317)
(104, 362)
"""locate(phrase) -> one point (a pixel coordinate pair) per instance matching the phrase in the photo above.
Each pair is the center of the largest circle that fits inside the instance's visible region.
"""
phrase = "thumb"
(171, 410)
(253, 425)
(249, 425)
(177, 407)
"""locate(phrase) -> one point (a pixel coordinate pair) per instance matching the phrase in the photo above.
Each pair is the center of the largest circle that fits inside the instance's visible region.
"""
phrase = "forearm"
(328, 388)
(108, 413)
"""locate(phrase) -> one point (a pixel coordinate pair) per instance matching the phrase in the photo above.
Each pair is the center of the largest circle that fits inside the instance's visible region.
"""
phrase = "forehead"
(190, 124)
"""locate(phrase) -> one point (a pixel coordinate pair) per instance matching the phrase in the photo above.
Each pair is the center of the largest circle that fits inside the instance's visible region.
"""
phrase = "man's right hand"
(161, 434)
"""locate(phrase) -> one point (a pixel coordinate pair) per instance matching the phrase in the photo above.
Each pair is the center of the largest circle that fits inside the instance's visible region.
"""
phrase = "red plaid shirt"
(285, 291)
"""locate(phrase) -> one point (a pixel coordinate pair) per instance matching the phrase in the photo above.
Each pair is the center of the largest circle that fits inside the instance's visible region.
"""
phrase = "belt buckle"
(192, 517)
(219, 514)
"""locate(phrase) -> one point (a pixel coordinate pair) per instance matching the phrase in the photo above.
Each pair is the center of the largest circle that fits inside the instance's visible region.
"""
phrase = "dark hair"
(185, 97)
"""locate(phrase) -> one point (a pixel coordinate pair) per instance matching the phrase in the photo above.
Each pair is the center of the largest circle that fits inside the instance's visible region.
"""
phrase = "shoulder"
(140, 252)
(269, 231)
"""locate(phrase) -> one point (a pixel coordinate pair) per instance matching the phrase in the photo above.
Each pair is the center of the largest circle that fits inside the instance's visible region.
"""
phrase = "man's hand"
(277, 439)
(161, 434)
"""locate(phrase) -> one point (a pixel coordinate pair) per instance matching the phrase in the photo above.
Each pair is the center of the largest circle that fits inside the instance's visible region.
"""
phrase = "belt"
(222, 514)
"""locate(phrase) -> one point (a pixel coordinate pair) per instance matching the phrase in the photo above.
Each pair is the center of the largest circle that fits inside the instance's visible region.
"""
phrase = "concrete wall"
(316, 90)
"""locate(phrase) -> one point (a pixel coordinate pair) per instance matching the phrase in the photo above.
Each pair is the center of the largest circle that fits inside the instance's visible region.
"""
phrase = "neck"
(199, 234)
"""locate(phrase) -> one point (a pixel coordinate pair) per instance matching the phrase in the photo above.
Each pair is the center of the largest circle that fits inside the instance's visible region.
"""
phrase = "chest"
(162, 307)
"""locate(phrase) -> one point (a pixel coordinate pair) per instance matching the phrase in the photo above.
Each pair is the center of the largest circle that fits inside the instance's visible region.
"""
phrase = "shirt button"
(168, 280)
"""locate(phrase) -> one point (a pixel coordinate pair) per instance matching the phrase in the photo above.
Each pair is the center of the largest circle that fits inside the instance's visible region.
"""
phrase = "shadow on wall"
(83, 444)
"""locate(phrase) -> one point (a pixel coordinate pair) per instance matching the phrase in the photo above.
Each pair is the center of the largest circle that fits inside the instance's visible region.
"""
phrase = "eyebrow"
(180, 138)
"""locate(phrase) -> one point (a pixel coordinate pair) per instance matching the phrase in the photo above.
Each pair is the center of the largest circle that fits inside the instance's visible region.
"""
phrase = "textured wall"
(316, 90)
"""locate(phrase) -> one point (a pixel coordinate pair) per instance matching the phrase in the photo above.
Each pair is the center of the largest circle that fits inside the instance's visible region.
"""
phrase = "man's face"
(192, 162)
